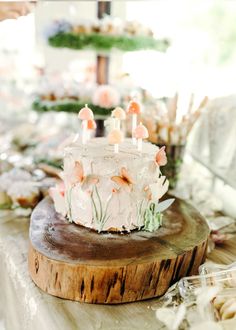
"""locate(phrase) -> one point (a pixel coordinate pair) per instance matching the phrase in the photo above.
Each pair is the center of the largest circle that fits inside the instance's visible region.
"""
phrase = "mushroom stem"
(116, 148)
(134, 125)
(88, 135)
(84, 134)
(140, 144)
(117, 123)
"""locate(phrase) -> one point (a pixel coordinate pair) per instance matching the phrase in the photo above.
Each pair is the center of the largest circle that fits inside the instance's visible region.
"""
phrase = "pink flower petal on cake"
(125, 175)
(161, 158)
(89, 181)
(148, 192)
(78, 172)
(119, 180)
(124, 180)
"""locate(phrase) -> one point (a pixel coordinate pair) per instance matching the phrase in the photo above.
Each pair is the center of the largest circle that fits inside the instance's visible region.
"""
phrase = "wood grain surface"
(73, 262)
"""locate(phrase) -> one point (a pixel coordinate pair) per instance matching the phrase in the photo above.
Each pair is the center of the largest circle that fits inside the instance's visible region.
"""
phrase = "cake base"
(73, 262)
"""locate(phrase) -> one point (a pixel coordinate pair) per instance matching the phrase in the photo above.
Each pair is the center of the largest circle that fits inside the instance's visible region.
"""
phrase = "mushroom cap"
(115, 137)
(141, 132)
(119, 113)
(91, 124)
(134, 108)
(86, 113)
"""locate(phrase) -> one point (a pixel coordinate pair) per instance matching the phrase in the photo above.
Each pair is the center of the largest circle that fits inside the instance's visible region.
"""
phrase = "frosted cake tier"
(109, 191)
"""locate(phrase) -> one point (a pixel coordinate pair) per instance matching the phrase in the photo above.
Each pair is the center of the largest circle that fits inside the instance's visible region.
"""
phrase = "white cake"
(109, 191)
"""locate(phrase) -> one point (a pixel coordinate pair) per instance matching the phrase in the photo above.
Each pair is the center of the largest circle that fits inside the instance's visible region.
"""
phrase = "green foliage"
(152, 219)
(57, 163)
(172, 170)
(99, 214)
(7, 206)
(106, 42)
(70, 106)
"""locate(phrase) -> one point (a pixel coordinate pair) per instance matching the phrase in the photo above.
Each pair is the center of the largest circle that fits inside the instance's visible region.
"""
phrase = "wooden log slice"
(74, 262)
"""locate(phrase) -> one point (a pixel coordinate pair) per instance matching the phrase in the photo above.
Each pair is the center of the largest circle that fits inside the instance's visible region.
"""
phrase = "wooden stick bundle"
(173, 127)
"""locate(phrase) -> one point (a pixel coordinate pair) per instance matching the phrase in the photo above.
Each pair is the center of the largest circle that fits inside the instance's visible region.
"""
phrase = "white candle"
(140, 133)
(134, 125)
(85, 114)
(140, 144)
(115, 137)
(88, 135)
(85, 129)
(113, 126)
(117, 123)
(116, 148)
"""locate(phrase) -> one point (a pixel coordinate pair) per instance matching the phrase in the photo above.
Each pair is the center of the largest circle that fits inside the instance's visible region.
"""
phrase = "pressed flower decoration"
(77, 176)
(123, 180)
(153, 213)
(161, 158)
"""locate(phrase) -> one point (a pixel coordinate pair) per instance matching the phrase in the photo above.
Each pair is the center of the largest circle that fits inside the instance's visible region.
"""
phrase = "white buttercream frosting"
(110, 191)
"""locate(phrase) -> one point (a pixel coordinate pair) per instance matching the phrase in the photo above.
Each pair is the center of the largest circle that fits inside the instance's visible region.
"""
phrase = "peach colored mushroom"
(115, 137)
(85, 115)
(140, 133)
(134, 108)
(118, 114)
(91, 126)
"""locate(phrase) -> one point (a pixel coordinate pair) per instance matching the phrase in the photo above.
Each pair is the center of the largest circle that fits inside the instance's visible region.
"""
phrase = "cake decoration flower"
(115, 137)
(85, 114)
(134, 109)
(157, 189)
(124, 179)
(153, 213)
(140, 133)
(161, 158)
(77, 176)
(118, 114)
(91, 126)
